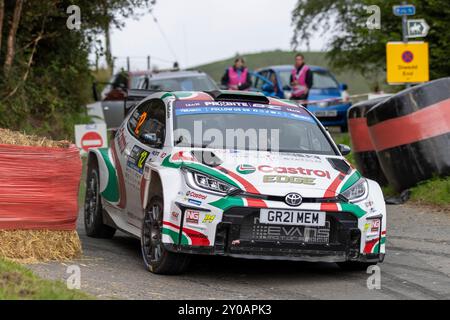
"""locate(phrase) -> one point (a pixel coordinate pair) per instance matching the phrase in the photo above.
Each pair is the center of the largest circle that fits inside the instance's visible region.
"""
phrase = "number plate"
(330, 113)
(292, 217)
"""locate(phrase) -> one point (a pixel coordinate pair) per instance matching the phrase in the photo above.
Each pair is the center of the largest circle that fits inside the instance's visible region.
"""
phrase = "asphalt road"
(417, 266)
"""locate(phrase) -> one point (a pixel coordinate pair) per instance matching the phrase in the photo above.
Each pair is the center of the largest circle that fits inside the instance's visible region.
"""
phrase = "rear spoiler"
(133, 96)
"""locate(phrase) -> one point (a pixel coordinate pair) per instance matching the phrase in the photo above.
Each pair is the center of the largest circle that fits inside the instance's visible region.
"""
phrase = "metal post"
(404, 26)
(128, 63)
(148, 62)
(404, 32)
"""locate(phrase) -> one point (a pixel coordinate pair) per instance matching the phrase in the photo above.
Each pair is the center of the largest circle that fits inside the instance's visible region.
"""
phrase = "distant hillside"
(355, 81)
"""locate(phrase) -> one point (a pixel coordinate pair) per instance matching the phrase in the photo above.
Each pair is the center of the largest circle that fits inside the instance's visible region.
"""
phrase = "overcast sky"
(201, 31)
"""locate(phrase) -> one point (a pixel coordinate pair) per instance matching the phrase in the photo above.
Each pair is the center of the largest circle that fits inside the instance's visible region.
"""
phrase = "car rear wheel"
(93, 210)
(156, 258)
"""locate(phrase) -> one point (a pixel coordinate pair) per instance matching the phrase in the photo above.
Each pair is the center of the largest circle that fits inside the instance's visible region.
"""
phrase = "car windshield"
(194, 83)
(134, 82)
(321, 80)
(248, 126)
(324, 80)
(285, 77)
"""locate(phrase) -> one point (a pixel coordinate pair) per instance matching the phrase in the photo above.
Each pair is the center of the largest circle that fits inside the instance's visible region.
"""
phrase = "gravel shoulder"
(417, 266)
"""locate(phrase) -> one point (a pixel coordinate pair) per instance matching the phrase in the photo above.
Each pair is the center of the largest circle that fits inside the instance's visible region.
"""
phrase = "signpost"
(90, 136)
(404, 10)
(408, 62)
(417, 28)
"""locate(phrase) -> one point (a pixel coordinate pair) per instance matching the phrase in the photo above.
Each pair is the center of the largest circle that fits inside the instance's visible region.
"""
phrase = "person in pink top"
(301, 79)
(237, 77)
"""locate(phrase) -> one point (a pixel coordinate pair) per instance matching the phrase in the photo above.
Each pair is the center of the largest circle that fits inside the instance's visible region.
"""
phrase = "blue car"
(274, 81)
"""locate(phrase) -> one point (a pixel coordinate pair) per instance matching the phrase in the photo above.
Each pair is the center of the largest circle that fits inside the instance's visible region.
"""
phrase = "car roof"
(289, 67)
(139, 73)
(175, 74)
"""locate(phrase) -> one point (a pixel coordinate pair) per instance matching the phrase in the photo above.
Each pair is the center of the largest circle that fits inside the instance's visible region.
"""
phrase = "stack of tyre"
(409, 132)
(363, 148)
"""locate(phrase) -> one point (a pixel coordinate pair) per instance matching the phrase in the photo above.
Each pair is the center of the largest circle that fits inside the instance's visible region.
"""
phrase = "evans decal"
(298, 170)
(245, 169)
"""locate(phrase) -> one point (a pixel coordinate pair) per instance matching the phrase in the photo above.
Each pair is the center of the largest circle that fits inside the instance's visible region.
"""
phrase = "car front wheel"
(93, 211)
(156, 258)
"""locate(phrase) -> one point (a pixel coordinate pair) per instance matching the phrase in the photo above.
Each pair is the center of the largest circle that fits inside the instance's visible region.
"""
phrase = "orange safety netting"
(39, 187)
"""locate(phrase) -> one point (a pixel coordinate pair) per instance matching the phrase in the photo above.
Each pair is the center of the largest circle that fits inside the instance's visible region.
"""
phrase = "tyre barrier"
(362, 146)
(38, 201)
(411, 133)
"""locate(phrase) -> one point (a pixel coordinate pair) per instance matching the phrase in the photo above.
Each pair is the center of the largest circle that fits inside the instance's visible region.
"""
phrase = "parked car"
(182, 196)
(115, 93)
(177, 81)
(275, 81)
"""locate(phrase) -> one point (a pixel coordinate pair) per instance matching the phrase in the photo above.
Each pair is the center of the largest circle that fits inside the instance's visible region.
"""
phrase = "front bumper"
(240, 234)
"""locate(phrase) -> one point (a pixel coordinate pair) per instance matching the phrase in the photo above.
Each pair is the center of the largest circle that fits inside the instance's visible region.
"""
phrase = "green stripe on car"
(111, 192)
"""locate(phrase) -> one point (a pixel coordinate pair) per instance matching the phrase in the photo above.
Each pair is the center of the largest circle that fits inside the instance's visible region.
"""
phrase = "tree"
(49, 77)
(352, 45)
(111, 12)
(10, 50)
(2, 13)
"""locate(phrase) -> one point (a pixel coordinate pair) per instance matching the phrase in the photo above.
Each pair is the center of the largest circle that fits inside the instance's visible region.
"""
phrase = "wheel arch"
(109, 188)
(166, 183)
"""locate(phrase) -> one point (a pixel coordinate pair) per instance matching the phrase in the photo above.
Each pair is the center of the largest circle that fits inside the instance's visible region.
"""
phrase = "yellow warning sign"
(407, 62)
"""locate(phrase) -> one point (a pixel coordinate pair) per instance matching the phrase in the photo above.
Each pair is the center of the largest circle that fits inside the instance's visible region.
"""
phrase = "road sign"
(407, 62)
(404, 10)
(90, 136)
(417, 28)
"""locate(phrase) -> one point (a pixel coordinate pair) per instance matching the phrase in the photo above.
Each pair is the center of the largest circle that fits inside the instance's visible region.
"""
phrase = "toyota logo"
(293, 199)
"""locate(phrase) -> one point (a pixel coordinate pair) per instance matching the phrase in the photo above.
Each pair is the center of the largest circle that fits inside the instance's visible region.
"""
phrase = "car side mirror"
(343, 86)
(344, 149)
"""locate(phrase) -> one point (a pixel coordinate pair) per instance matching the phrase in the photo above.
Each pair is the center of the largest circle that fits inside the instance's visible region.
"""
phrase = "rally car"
(235, 174)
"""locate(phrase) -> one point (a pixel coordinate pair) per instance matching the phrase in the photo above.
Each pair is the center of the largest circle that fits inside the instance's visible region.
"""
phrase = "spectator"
(237, 76)
(301, 79)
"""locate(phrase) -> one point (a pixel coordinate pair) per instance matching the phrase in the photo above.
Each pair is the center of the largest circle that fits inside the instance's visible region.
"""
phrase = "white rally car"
(234, 174)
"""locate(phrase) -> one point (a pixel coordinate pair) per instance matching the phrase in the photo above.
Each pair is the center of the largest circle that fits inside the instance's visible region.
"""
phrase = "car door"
(112, 104)
(147, 126)
(263, 84)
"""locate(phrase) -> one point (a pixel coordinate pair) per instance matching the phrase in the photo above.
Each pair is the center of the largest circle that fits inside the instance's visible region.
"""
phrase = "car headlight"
(357, 192)
(205, 182)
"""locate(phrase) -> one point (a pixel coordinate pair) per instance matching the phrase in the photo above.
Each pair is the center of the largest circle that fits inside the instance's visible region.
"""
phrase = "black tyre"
(355, 265)
(93, 211)
(156, 258)
(344, 128)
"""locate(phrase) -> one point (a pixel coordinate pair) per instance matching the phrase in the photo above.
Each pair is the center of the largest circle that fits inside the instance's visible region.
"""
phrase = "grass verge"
(434, 192)
(19, 283)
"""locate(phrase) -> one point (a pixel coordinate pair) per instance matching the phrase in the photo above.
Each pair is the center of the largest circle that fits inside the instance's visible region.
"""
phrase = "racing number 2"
(140, 122)
(142, 158)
